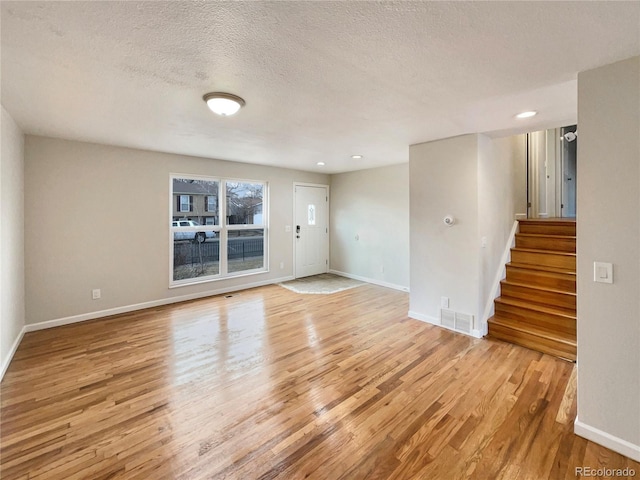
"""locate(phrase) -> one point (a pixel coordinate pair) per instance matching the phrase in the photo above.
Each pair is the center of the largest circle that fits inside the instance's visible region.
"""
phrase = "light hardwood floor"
(273, 384)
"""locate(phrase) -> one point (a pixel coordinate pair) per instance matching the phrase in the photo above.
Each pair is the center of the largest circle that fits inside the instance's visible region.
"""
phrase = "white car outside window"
(198, 237)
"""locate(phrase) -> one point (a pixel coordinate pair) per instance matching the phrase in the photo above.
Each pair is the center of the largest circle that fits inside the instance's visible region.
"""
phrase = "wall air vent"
(460, 322)
(448, 318)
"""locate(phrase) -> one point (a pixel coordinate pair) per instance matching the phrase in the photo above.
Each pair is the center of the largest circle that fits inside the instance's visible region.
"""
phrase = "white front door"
(311, 230)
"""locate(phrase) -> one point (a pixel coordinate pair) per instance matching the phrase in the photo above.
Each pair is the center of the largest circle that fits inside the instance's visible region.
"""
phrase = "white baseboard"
(436, 321)
(521, 216)
(370, 280)
(480, 333)
(424, 318)
(6, 361)
(140, 306)
(605, 439)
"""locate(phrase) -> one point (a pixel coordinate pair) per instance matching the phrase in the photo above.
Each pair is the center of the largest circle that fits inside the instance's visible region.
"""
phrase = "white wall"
(481, 182)
(97, 217)
(501, 194)
(12, 302)
(609, 231)
(538, 174)
(444, 260)
(372, 205)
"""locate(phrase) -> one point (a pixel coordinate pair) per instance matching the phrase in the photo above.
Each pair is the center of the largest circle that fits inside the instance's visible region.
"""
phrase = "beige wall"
(80, 232)
(481, 182)
(501, 194)
(609, 231)
(444, 260)
(12, 302)
(372, 205)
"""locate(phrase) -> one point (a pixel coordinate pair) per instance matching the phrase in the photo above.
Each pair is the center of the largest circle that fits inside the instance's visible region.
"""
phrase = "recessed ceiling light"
(223, 104)
(527, 114)
(320, 164)
(356, 157)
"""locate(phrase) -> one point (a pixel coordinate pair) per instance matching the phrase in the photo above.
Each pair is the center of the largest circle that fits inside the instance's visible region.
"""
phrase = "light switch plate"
(602, 272)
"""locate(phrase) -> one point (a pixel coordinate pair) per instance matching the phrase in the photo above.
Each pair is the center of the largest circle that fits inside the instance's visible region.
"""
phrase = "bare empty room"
(329, 240)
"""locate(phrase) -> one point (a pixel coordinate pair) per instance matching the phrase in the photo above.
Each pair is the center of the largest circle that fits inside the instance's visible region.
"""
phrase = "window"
(212, 203)
(244, 203)
(209, 246)
(185, 203)
(311, 214)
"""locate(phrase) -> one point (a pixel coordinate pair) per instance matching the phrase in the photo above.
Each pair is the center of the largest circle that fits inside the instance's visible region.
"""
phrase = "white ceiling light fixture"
(320, 164)
(528, 114)
(223, 104)
(357, 157)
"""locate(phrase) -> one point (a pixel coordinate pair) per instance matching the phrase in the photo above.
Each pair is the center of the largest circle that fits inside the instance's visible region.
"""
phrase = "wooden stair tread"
(545, 252)
(541, 268)
(548, 227)
(549, 221)
(555, 336)
(536, 287)
(552, 310)
(556, 242)
(542, 235)
(537, 308)
(557, 259)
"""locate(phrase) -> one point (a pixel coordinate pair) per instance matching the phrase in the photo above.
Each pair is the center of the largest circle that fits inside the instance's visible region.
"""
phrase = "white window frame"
(221, 230)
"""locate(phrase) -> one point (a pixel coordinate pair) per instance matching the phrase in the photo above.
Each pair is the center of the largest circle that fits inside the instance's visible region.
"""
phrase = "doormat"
(322, 284)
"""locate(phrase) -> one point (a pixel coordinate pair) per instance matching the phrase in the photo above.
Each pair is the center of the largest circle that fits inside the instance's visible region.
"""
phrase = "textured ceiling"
(322, 80)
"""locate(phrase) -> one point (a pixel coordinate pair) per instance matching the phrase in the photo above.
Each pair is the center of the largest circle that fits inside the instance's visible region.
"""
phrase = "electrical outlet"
(95, 293)
(444, 302)
(281, 265)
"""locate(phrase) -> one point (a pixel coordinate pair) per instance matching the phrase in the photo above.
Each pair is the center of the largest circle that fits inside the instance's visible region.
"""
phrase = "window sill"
(198, 281)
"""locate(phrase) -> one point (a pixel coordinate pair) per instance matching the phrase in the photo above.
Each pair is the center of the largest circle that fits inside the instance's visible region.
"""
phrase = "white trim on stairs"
(500, 274)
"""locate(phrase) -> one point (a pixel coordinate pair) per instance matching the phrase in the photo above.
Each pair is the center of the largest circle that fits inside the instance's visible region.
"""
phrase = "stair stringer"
(501, 273)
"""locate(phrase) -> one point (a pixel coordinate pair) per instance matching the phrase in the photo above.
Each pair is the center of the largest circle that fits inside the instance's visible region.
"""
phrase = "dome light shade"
(528, 114)
(223, 104)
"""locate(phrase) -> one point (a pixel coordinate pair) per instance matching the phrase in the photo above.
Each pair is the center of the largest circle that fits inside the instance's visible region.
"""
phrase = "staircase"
(537, 303)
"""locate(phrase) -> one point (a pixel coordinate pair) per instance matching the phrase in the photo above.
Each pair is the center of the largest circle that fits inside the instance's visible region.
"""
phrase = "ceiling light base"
(223, 104)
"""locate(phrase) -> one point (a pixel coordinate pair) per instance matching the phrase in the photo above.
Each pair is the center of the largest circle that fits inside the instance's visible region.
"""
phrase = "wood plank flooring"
(270, 384)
